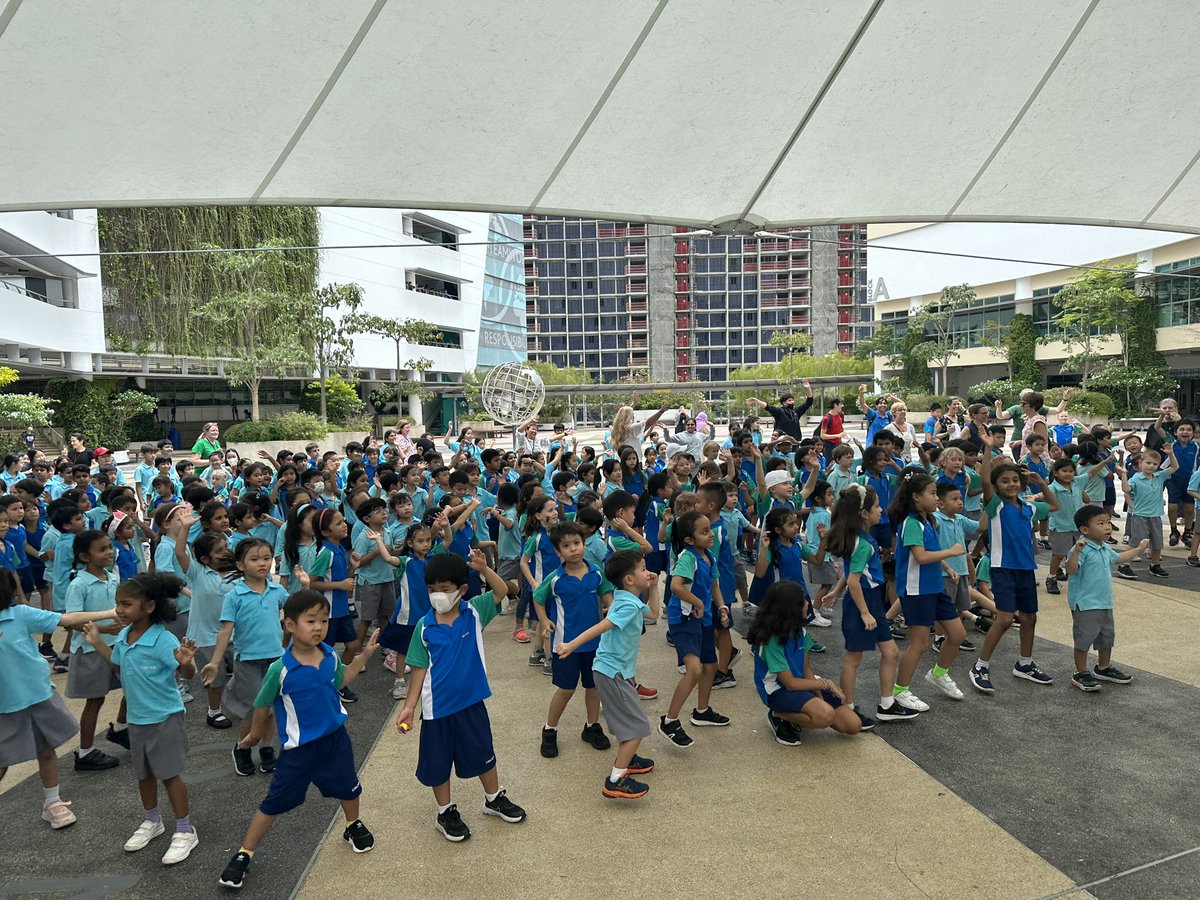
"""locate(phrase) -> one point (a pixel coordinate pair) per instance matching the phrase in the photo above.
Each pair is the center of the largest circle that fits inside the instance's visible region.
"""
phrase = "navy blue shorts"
(463, 739)
(1176, 492)
(858, 639)
(327, 762)
(397, 637)
(925, 609)
(576, 669)
(342, 630)
(692, 638)
(656, 561)
(1015, 590)
(784, 700)
(26, 576)
(884, 536)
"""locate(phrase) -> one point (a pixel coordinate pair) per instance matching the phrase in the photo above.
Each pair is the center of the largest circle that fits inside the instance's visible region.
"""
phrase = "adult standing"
(1014, 412)
(878, 416)
(403, 441)
(207, 443)
(626, 432)
(525, 438)
(833, 427)
(953, 422)
(787, 414)
(903, 430)
(1166, 423)
(1032, 404)
(79, 454)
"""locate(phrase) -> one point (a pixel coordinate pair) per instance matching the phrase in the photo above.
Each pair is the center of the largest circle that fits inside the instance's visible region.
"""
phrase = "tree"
(914, 372)
(1087, 315)
(1017, 347)
(19, 411)
(792, 341)
(1140, 376)
(332, 338)
(936, 324)
(128, 405)
(340, 399)
(401, 331)
(881, 343)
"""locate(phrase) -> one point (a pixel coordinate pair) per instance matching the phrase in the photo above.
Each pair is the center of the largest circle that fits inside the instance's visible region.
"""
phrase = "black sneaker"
(815, 646)
(266, 760)
(937, 643)
(899, 632)
(1194, 562)
(1159, 572)
(1061, 574)
(1126, 572)
(1052, 586)
(981, 680)
(594, 734)
(982, 624)
(234, 875)
(1043, 543)
(503, 808)
(709, 717)
(866, 722)
(670, 640)
(358, 837)
(220, 721)
(737, 654)
(674, 732)
(95, 761)
(723, 680)
(549, 747)
(967, 644)
(624, 788)
(46, 649)
(243, 761)
(451, 825)
(1174, 540)
(348, 696)
(120, 738)
(639, 765)
(1085, 682)
(895, 713)
(1111, 673)
(785, 733)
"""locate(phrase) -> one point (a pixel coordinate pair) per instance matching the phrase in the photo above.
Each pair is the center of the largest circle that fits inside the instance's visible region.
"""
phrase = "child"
(919, 567)
(375, 577)
(90, 678)
(1193, 491)
(955, 528)
(1179, 504)
(710, 500)
(250, 617)
(412, 602)
(508, 538)
(1068, 491)
(302, 686)
(614, 671)
(455, 730)
(539, 559)
(794, 697)
(332, 573)
(1144, 496)
(820, 577)
(1013, 568)
(595, 549)
(205, 578)
(864, 625)
(564, 484)
(695, 601)
(33, 718)
(1035, 461)
(146, 656)
(1089, 596)
(568, 602)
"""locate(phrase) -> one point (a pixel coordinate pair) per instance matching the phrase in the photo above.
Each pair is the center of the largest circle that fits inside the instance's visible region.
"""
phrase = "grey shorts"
(1093, 628)
(27, 732)
(740, 575)
(243, 687)
(1142, 527)
(204, 656)
(179, 626)
(509, 570)
(375, 601)
(622, 708)
(958, 591)
(159, 750)
(89, 676)
(1061, 543)
(975, 515)
(826, 573)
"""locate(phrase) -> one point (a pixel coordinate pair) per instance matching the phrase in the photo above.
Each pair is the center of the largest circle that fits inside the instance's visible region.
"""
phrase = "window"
(433, 234)
(1178, 298)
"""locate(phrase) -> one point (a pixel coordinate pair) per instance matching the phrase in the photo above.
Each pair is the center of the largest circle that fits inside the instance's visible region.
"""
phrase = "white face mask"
(443, 602)
(318, 486)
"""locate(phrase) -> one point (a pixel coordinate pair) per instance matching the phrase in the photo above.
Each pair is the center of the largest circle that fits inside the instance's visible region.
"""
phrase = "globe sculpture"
(512, 393)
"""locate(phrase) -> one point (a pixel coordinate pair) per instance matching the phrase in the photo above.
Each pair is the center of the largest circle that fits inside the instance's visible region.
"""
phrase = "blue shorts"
(327, 762)
(784, 700)
(342, 630)
(462, 739)
(26, 575)
(574, 670)
(692, 638)
(925, 609)
(1177, 491)
(884, 536)
(1015, 590)
(656, 561)
(858, 639)
(397, 637)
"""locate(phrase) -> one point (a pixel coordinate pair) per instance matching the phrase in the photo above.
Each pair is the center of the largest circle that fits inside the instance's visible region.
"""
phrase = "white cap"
(779, 476)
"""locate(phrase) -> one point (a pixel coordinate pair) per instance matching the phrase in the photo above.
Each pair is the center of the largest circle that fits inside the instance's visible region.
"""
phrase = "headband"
(117, 518)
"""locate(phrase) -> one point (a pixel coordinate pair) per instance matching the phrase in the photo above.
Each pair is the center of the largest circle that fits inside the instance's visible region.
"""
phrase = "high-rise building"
(616, 298)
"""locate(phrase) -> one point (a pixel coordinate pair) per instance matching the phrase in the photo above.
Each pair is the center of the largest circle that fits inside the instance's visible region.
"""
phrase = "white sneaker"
(820, 621)
(945, 684)
(682, 669)
(145, 833)
(184, 694)
(400, 689)
(182, 845)
(910, 700)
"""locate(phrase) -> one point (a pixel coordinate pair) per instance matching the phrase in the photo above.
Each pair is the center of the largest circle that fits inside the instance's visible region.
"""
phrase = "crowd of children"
(237, 580)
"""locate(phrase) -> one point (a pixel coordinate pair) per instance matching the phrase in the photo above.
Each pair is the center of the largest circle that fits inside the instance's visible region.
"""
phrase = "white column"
(415, 410)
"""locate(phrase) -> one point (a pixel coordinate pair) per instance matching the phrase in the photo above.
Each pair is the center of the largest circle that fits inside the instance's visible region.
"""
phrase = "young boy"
(455, 730)
(1144, 497)
(1035, 461)
(302, 687)
(710, 500)
(375, 577)
(1179, 504)
(1089, 595)
(1068, 490)
(564, 484)
(615, 663)
(568, 602)
(954, 528)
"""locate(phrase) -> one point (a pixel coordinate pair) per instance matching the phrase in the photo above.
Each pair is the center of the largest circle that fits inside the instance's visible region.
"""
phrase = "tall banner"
(502, 335)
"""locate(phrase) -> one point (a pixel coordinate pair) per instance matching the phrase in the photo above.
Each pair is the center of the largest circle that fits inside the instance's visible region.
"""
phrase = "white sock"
(1025, 660)
(886, 702)
(616, 774)
(442, 809)
(492, 797)
(214, 712)
(549, 727)
(702, 710)
(983, 664)
(50, 795)
(667, 720)
(118, 727)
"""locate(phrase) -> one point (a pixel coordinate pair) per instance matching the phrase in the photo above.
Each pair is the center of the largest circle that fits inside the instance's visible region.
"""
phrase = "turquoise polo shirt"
(1070, 501)
(378, 570)
(617, 654)
(148, 674)
(165, 563)
(208, 597)
(1194, 484)
(88, 593)
(1091, 586)
(1147, 493)
(509, 543)
(955, 530)
(257, 631)
(26, 679)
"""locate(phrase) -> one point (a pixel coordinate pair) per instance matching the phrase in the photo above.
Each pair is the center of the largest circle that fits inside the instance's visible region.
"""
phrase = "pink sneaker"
(520, 636)
(389, 661)
(58, 815)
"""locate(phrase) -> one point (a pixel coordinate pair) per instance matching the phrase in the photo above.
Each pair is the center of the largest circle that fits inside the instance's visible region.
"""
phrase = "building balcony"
(637, 305)
(636, 248)
(635, 268)
(749, 266)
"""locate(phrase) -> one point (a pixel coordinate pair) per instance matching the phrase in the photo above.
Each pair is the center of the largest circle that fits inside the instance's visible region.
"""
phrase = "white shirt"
(907, 434)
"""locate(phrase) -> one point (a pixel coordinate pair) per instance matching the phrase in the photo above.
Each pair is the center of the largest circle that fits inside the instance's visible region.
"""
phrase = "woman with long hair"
(625, 432)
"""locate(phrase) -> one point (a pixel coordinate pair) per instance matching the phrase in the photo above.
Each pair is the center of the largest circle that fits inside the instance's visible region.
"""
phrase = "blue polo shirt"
(1185, 455)
(617, 654)
(876, 422)
(865, 561)
(774, 657)
(453, 655)
(726, 567)
(573, 604)
(333, 565)
(955, 530)
(913, 578)
(412, 596)
(1194, 485)
(1091, 586)
(148, 674)
(306, 701)
(698, 569)
(87, 593)
(543, 558)
(257, 631)
(208, 589)
(1147, 493)
(1010, 532)
(26, 679)
(378, 570)
(883, 485)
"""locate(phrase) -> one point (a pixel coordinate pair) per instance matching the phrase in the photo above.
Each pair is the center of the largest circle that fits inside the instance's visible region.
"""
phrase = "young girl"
(332, 573)
(147, 655)
(214, 516)
(919, 557)
(299, 546)
(508, 539)
(652, 506)
(695, 600)
(780, 556)
(821, 576)
(250, 618)
(89, 677)
(33, 718)
(633, 479)
(412, 602)
(122, 531)
(794, 697)
(538, 559)
(205, 576)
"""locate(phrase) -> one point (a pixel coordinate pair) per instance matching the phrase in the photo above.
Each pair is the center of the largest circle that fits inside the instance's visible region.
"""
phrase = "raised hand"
(185, 652)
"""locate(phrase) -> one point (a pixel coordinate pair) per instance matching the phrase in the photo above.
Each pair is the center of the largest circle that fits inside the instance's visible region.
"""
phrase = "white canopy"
(694, 112)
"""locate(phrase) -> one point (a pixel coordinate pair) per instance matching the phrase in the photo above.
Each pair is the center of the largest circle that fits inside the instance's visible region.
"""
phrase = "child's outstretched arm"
(1134, 552)
(497, 585)
(209, 672)
(356, 666)
(565, 650)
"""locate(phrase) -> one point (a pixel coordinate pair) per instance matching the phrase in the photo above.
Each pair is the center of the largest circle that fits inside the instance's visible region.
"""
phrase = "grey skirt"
(27, 732)
(159, 750)
(244, 686)
(89, 676)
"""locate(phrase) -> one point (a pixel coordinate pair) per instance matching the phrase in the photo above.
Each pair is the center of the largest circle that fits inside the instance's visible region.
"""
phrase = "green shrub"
(1082, 403)
(920, 403)
(341, 399)
(292, 426)
(1006, 391)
